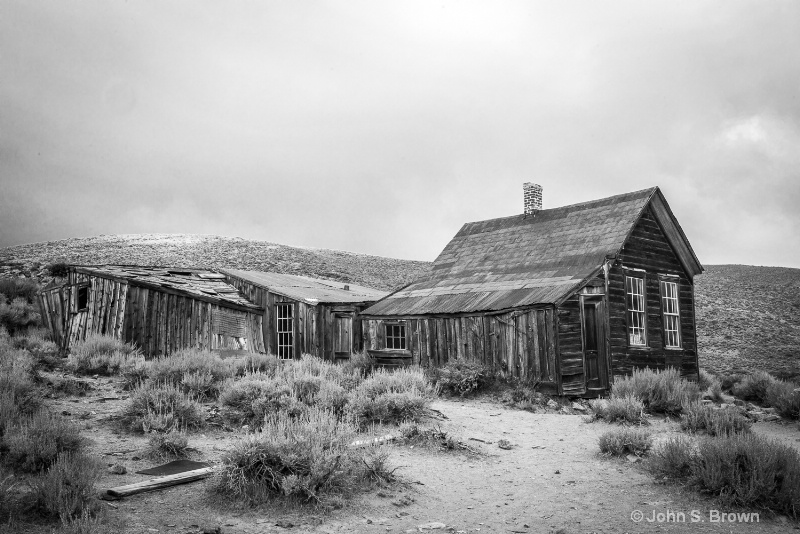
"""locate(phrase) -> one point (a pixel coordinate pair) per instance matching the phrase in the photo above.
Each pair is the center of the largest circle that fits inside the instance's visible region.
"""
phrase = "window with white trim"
(285, 330)
(637, 311)
(671, 311)
(396, 336)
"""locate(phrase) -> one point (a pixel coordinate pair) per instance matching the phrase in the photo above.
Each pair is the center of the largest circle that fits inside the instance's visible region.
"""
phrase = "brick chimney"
(533, 197)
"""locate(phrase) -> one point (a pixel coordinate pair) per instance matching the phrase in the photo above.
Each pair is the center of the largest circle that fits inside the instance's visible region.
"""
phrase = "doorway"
(593, 319)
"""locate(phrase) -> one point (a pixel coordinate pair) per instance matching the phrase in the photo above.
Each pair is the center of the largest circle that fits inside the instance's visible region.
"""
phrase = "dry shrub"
(459, 377)
(18, 308)
(253, 397)
(660, 391)
(198, 372)
(359, 363)
(67, 489)
(698, 417)
(391, 396)
(19, 288)
(304, 457)
(34, 442)
(17, 385)
(673, 458)
(623, 410)
(103, 355)
(161, 408)
(173, 444)
(785, 398)
(256, 363)
(621, 441)
(753, 387)
(705, 379)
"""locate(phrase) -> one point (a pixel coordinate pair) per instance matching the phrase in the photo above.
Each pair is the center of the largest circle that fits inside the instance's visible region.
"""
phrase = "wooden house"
(569, 297)
(159, 309)
(306, 315)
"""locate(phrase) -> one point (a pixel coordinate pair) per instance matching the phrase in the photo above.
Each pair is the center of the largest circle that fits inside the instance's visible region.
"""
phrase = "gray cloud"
(381, 127)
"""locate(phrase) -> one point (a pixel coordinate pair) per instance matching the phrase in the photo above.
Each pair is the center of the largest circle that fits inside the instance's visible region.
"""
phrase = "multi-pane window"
(637, 316)
(671, 312)
(285, 330)
(396, 336)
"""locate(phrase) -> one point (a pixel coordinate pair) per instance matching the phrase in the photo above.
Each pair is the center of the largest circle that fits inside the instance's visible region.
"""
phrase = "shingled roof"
(309, 290)
(531, 259)
(201, 284)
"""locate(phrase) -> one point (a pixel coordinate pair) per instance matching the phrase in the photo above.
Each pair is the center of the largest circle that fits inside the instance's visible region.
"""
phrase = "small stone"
(552, 404)
(505, 444)
(212, 530)
(117, 469)
(434, 525)
(135, 458)
(558, 472)
(578, 406)
(65, 412)
(632, 458)
(771, 417)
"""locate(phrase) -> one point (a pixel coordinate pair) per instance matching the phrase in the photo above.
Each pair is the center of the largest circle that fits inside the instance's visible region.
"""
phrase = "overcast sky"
(381, 127)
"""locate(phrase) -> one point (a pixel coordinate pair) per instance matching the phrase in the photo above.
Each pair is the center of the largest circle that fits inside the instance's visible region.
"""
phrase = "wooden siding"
(157, 322)
(519, 344)
(648, 249)
(314, 325)
(54, 308)
(570, 346)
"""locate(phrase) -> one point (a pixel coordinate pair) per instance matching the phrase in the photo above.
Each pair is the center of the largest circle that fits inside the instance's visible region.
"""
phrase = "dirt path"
(551, 480)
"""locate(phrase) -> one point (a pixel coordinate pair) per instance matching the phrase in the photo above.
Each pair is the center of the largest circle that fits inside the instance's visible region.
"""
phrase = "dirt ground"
(552, 479)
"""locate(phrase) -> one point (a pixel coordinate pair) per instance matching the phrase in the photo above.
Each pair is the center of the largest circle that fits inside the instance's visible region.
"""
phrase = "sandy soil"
(551, 480)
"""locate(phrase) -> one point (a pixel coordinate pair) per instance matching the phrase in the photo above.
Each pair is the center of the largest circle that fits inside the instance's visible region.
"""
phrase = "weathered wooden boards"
(157, 483)
(520, 343)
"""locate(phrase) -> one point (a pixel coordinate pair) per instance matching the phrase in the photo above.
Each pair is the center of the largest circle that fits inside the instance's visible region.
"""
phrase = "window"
(285, 330)
(637, 311)
(671, 312)
(396, 336)
(82, 301)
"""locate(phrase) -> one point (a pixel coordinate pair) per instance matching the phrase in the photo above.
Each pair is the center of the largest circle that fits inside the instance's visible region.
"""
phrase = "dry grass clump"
(18, 307)
(753, 387)
(67, 489)
(660, 391)
(303, 457)
(173, 444)
(103, 355)
(256, 363)
(251, 398)
(459, 377)
(198, 372)
(622, 441)
(34, 442)
(161, 408)
(785, 398)
(622, 410)
(698, 417)
(391, 396)
(740, 469)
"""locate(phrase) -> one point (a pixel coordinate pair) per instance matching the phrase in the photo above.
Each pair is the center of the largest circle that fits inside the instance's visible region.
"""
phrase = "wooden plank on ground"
(157, 483)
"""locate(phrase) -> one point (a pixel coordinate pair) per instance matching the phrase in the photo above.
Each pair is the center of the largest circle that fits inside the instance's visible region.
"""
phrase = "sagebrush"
(621, 441)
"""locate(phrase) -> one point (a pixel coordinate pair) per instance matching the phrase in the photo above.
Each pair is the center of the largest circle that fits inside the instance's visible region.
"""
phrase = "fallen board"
(173, 468)
(373, 441)
(156, 483)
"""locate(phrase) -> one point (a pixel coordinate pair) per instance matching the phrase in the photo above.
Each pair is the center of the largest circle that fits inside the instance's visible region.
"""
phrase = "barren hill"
(748, 317)
(209, 251)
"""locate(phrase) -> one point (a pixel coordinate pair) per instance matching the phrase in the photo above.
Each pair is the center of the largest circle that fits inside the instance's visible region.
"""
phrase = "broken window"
(396, 336)
(637, 311)
(82, 299)
(285, 329)
(671, 312)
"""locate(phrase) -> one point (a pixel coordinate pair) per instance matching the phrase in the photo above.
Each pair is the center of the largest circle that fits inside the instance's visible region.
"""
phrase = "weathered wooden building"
(568, 297)
(306, 315)
(159, 309)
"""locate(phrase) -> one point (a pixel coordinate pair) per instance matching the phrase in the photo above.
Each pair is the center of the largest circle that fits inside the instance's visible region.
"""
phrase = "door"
(342, 336)
(594, 344)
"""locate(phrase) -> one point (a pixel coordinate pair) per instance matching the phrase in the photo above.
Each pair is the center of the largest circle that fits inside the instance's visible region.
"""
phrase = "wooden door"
(594, 344)
(342, 336)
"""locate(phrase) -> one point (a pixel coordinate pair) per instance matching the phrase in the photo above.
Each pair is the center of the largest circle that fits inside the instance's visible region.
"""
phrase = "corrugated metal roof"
(520, 260)
(191, 282)
(309, 290)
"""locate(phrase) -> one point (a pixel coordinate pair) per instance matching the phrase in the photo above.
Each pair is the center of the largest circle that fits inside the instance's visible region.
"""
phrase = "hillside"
(208, 251)
(748, 317)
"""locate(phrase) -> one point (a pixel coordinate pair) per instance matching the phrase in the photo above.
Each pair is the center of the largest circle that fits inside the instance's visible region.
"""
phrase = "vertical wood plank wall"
(53, 305)
(159, 323)
(570, 346)
(520, 344)
(648, 249)
(314, 325)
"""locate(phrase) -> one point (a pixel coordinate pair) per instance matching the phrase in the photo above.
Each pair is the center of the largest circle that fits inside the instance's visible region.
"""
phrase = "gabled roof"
(534, 259)
(309, 290)
(201, 284)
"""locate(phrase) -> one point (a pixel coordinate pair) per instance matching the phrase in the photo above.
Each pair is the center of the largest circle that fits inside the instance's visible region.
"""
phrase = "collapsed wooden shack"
(158, 309)
(567, 298)
(303, 315)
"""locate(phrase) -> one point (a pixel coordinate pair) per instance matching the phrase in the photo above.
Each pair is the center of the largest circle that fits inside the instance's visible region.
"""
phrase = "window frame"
(283, 348)
(399, 338)
(82, 287)
(662, 283)
(640, 276)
